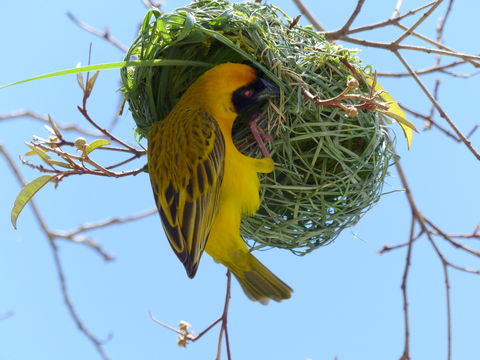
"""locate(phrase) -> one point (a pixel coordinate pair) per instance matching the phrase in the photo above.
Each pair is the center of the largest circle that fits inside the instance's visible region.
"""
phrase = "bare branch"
(303, 9)
(186, 336)
(352, 17)
(84, 112)
(406, 271)
(105, 34)
(442, 113)
(430, 70)
(113, 221)
(391, 21)
(44, 119)
(438, 45)
(429, 120)
(412, 28)
(58, 265)
(449, 310)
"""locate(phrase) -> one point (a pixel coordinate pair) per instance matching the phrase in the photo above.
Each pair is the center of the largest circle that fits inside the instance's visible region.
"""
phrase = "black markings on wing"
(186, 173)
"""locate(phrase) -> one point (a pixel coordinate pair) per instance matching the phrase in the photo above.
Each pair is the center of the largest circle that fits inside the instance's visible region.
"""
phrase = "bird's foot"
(259, 134)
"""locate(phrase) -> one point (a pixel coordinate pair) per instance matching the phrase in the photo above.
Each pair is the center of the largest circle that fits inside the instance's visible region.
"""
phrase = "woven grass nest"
(329, 168)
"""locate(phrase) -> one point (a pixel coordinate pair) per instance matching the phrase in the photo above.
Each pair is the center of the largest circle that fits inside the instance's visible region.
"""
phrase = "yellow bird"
(203, 185)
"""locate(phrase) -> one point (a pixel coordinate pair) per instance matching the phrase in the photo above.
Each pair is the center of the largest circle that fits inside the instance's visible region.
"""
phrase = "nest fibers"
(329, 168)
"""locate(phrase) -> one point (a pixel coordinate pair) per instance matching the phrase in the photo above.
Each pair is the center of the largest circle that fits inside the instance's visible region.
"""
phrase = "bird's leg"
(258, 134)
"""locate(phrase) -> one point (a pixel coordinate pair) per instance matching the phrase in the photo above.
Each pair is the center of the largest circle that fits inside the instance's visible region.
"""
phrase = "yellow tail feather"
(260, 284)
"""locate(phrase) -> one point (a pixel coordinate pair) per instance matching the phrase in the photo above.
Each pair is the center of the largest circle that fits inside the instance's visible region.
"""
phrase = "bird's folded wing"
(186, 175)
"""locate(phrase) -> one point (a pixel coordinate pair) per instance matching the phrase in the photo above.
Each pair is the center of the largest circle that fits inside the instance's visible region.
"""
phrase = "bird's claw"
(259, 134)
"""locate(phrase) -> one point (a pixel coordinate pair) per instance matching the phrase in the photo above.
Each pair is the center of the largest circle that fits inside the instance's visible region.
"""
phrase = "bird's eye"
(248, 93)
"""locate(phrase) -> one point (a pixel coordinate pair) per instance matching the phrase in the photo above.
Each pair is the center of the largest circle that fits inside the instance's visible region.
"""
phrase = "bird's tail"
(259, 283)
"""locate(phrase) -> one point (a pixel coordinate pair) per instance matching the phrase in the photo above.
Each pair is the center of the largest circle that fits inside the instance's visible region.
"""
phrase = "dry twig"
(185, 336)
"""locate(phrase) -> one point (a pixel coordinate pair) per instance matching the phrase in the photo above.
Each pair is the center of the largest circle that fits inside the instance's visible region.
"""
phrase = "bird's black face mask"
(253, 95)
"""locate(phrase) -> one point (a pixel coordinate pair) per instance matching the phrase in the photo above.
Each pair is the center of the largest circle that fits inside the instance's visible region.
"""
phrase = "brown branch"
(449, 311)
(304, 10)
(44, 119)
(431, 122)
(430, 70)
(83, 240)
(134, 157)
(394, 20)
(223, 329)
(473, 235)
(406, 270)
(351, 109)
(84, 112)
(424, 17)
(105, 34)
(440, 110)
(186, 336)
(58, 265)
(395, 47)
(78, 168)
(113, 221)
(388, 248)
(344, 29)
(437, 44)
(71, 308)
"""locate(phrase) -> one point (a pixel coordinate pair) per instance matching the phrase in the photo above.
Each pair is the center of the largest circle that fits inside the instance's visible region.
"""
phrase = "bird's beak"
(269, 91)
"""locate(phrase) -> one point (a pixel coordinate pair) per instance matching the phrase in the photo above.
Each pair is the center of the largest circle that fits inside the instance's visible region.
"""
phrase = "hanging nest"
(329, 167)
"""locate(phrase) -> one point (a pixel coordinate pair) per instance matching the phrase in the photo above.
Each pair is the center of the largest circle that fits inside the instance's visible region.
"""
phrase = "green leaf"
(110, 66)
(26, 194)
(43, 155)
(60, 163)
(96, 144)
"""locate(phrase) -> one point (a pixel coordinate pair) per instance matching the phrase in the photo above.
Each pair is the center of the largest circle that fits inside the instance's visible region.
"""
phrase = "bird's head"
(231, 89)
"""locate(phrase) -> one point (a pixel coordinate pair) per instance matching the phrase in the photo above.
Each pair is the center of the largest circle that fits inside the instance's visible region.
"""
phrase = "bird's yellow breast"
(240, 181)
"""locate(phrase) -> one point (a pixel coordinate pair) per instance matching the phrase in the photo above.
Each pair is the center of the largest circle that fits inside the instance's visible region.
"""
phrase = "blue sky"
(347, 300)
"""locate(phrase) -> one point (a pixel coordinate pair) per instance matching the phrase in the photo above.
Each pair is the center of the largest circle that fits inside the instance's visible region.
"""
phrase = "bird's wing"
(186, 160)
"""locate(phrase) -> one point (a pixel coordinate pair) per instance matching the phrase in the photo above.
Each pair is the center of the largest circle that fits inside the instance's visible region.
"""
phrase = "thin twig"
(431, 122)
(391, 21)
(437, 44)
(223, 329)
(44, 119)
(84, 112)
(185, 336)
(58, 265)
(113, 221)
(429, 70)
(417, 23)
(449, 310)
(406, 271)
(304, 10)
(440, 110)
(344, 29)
(105, 34)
